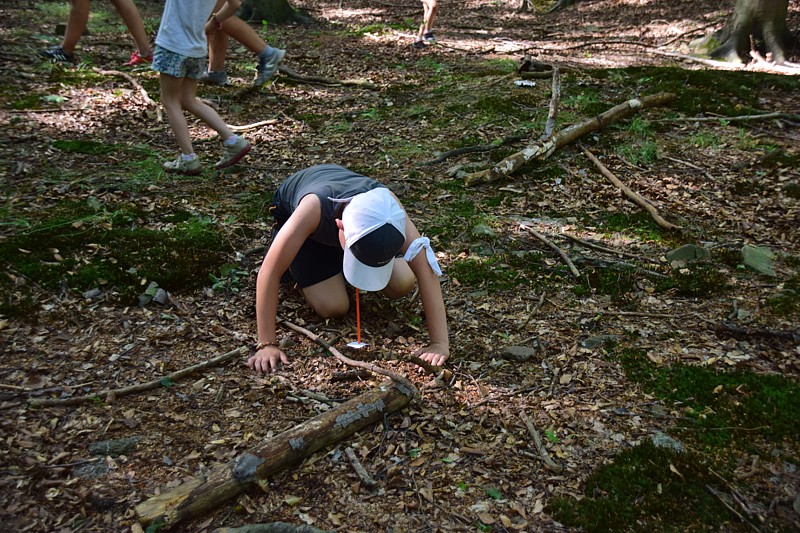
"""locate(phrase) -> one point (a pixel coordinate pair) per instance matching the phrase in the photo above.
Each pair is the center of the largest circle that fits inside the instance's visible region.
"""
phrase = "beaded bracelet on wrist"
(261, 345)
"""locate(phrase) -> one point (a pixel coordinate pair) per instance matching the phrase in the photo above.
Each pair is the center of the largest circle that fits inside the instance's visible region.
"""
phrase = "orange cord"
(358, 319)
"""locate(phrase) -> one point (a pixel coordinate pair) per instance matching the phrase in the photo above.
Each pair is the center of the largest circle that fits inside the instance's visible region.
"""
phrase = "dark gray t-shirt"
(325, 181)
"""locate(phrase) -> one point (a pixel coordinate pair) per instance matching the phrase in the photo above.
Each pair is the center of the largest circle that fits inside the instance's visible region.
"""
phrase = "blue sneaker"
(267, 65)
(59, 55)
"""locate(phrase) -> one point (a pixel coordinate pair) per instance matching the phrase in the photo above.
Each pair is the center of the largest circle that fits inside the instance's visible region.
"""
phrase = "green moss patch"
(729, 405)
(499, 272)
(645, 489)
(82, 246)
(787, 302)
(725, 415)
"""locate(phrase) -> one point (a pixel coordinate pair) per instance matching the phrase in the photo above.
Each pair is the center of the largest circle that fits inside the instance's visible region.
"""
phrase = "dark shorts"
(314, 262)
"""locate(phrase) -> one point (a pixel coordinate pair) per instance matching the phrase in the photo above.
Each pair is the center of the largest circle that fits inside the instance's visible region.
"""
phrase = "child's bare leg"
(245, 34)
(202, 111)
(217, 50)
(77, 21)
(402, 281)
(133, 20)
(171, 96)
(328, 298)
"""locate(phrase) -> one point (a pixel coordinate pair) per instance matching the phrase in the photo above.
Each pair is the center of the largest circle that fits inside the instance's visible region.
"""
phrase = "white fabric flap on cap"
(416, 247)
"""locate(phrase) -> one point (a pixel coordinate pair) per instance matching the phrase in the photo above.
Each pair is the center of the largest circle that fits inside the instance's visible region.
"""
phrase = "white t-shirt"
(182, 27)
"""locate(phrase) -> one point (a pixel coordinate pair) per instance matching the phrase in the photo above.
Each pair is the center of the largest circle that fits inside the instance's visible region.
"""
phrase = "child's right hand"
(267, 359)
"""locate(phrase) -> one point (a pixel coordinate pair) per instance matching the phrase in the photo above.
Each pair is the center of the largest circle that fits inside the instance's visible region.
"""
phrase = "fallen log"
(194, 498)
(543, 150)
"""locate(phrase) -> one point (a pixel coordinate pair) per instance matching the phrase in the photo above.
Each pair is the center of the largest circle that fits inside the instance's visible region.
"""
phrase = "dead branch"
(110, 394)
(716, 494)
(473, 149)
(352, 362)
(690, 165)
(537, 441)
(270, 527)
(741, 118)
(638, 200)
(554, 100)
(253, 126)
(560, 252)
(566, 136)
(291, 74)
(137, 86)
(361, 472)
(594, 246)
(223, 483)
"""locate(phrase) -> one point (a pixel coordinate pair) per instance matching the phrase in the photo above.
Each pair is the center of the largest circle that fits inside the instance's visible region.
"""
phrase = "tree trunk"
(764, 20)
(272, 11)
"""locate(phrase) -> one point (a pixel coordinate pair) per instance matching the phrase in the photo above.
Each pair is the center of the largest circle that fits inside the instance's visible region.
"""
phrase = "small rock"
(482, 230)
(91, 470)
(599, 340)
(662, 440)
(147, 296)
(161, 297)
(687, 253)
(519, 354)
(759, 258)
(113, 448)
(93, 293)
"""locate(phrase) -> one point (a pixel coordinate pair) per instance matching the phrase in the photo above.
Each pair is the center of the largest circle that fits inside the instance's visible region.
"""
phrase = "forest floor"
(461, 457)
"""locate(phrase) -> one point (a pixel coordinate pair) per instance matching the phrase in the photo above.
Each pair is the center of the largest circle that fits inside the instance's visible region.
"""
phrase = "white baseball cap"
(374, 233)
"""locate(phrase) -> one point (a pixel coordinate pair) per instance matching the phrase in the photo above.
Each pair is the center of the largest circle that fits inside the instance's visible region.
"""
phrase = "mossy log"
(543, 150)
(194, 498)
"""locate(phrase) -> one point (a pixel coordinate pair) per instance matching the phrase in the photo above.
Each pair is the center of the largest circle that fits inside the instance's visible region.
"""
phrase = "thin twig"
(741, 118)
(537, 441)
(115, 393)
(555, 97)
(533, 311)
(137, 85)
(590, 244)
(362, 473)
(253, 126)
(690, 165)
(474, 149)
(351, 362)
(716, 493)
(637, 199)
(560, 252)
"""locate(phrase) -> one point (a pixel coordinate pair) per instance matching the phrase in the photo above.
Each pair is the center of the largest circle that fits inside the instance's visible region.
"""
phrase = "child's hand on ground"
(435, 353)
(268, 359)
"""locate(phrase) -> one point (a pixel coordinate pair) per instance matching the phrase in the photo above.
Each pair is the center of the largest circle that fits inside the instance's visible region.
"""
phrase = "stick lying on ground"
(638, 200)
(207, 492)
(139, 387)
(572, 133)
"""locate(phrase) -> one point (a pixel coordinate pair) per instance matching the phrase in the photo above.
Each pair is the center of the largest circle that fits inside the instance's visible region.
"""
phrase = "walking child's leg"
(217, 50)
(133, 20)
(234, 147)
(77, 21)
(172, 89)
(206, 113)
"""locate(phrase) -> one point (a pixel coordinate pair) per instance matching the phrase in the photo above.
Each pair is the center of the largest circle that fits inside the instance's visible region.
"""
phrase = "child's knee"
(402, 281)
(331, 308)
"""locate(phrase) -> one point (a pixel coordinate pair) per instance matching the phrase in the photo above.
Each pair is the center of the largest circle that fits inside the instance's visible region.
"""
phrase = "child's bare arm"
(281, 252)
(430, 291)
